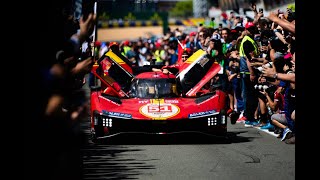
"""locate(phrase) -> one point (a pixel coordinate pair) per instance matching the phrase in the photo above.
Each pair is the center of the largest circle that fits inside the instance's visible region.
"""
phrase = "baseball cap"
(249, 25)
(126, 43)
(192, 34)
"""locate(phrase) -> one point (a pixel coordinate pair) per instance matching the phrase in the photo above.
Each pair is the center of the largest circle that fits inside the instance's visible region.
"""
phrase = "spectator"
(248, 50)
(59, 103)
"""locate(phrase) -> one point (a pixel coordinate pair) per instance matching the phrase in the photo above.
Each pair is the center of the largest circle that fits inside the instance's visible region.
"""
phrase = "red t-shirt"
(279, 98)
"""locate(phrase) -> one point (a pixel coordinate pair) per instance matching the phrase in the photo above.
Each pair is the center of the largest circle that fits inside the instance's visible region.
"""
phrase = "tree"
(182, 9)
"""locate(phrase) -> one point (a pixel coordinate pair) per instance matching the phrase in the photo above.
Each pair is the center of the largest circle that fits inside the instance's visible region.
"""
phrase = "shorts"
(281, 118)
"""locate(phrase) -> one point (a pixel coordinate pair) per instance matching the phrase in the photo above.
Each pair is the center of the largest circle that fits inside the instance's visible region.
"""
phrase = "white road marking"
(267, 131)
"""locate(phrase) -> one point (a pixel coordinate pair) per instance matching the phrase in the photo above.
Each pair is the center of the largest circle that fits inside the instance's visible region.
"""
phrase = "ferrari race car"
(125, 101)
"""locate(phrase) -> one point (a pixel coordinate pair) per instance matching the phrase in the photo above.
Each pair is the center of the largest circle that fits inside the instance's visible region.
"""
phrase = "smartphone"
(87, 8)
(261, 10)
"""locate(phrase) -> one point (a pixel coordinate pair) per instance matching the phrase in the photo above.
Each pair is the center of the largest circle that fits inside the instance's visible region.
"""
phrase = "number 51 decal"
(159, 108)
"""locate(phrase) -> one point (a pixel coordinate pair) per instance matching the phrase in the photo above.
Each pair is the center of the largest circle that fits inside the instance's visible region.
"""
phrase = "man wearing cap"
(248, 49)
(192, 42)
(125, 48)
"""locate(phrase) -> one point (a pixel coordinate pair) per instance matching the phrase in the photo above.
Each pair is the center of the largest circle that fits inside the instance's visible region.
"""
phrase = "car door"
(195, 72)
(117, 74)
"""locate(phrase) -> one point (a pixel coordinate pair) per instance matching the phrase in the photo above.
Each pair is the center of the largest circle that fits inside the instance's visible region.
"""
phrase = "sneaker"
(241, 119)
(291, 140)
(250, 123)
(260, 124)
(247, 124)
(255, 123)
(241, 114)
(267, 126)
(286, 133)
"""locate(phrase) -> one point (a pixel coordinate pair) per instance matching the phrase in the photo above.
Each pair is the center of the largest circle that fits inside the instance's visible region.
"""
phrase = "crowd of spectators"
(257, 72)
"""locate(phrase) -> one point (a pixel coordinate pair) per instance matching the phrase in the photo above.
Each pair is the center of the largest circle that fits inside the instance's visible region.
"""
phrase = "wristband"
(275, 76)
(276, 30)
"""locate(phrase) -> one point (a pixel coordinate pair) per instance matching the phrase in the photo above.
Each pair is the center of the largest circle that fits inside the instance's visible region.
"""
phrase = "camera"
(268, 65)
(278, 45)
(261, 87)
(264, 42)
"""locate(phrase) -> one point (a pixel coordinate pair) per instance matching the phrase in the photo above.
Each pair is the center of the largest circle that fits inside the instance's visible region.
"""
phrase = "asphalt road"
(248, 153)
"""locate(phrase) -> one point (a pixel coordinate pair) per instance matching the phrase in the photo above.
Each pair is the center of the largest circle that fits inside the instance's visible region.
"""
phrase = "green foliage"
(182, 9)
(155, 17)
(104, 17)
(292, 7)
(130, 17)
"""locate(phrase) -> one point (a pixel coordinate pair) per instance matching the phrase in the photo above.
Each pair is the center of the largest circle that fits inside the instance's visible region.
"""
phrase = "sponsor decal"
(157, 101)
(143, 101)
(172, 101)
(117, 114)
(201, 114)
(159, 111)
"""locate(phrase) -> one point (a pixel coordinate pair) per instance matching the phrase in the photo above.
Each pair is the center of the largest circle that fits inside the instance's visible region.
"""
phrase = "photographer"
(271, 72)
(265, 91)
(275, 103)
(287, 77)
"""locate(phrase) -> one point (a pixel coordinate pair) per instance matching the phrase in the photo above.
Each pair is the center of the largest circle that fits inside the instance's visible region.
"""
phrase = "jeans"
(250, 98)
(236, 84)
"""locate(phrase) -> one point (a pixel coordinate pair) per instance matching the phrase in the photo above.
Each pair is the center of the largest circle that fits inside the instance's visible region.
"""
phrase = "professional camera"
(269, 65)
(264, 42)
(278, 45)
(291, 15)
(261, 87)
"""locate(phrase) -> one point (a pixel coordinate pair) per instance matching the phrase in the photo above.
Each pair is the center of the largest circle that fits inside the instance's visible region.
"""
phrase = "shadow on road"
(112, 158)
(110, 162)
(234, 137)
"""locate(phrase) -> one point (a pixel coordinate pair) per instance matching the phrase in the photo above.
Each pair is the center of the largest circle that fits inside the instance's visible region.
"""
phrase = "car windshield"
(153, 88)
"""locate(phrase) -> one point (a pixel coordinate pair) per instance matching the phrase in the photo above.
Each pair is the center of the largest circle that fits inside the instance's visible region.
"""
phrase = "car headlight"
(107, 122)
(212, 121)
(100, 119)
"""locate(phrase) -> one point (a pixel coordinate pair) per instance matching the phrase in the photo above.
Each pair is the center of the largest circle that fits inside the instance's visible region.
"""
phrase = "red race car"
(154, 102)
